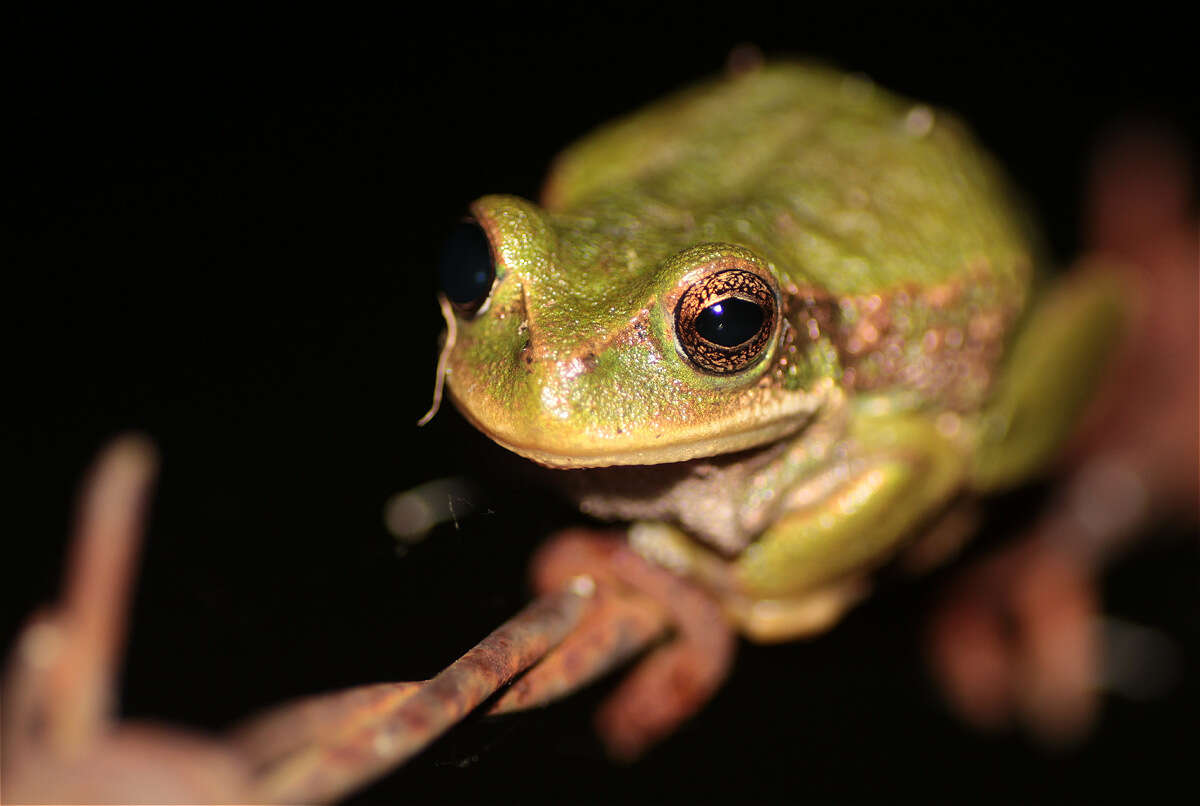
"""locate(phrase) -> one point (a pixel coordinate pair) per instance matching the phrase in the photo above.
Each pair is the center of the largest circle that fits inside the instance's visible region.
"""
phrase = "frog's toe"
(636, 603)
(676, 680)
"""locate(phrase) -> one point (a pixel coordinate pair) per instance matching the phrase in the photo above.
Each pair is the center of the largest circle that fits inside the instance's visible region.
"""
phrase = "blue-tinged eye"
(724, 321)
(467, 270)
(730, 322)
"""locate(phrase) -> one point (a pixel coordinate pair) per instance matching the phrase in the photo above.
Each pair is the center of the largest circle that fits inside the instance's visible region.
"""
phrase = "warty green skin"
(901, 264)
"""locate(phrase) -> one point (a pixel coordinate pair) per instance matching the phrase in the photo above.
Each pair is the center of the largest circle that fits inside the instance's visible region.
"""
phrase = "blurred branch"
(62, 743)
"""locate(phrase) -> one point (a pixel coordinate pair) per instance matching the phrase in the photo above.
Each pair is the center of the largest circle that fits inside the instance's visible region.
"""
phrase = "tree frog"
(782, 322)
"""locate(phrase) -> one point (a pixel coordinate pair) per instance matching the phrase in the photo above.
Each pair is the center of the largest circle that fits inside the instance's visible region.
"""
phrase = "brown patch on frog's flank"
(931, 341)
(809, 314)
(783, 356)
(812, 311)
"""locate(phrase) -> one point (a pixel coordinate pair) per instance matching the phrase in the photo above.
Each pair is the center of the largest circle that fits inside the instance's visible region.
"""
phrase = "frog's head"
(592, 341)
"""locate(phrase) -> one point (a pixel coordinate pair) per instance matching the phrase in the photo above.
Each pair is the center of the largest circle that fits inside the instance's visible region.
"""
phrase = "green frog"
(783, 322)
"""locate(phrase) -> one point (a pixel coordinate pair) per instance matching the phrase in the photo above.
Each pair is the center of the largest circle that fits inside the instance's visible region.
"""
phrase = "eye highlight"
(729, 323)
(467, 270)
(724, 321)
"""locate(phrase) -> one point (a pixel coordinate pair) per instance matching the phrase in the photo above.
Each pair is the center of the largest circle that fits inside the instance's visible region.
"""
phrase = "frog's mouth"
(567, 447)
(653, 454)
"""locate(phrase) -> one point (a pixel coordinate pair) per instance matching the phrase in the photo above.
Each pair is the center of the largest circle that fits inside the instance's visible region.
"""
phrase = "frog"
(784, 323)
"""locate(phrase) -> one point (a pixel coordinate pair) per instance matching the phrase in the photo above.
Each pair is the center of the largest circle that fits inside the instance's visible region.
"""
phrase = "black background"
(223, 234)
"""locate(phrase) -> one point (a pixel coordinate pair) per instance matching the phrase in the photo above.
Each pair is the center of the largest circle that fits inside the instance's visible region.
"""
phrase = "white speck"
(571, 369)
(41, 645)
(948, 424)
(919, 121)
(582, 585)
(383, 745)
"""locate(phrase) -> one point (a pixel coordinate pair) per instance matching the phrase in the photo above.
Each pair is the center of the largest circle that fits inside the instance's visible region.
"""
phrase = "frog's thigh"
(816, 610)
(1050, 375)
(759, 619)
(788, 618)
(907, 472)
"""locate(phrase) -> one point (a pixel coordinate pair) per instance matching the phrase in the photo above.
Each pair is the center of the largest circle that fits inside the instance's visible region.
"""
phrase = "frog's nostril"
(526, 354)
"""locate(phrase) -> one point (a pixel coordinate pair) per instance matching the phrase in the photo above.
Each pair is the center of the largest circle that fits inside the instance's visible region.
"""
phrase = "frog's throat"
(651, 454)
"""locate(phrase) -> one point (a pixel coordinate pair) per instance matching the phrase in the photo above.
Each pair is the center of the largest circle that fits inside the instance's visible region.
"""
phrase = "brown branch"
(62, 743)
(368, 745)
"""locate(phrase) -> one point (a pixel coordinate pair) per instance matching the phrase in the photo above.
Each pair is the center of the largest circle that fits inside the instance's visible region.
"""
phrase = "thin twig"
(365, 748)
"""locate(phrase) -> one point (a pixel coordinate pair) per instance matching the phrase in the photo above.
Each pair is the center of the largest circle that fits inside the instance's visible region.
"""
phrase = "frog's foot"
(620, 623)
(772, 621)
(669, 685)
(1017, 638)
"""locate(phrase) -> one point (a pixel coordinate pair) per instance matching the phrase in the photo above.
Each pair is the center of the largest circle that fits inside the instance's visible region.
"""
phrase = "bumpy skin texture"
(900, 268)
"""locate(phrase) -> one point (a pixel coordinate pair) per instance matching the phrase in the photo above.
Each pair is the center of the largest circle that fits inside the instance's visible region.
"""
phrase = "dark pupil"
(730, 322)
(466, 272)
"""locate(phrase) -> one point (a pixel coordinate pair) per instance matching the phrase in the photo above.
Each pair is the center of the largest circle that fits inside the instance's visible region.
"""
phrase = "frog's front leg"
(888, 477)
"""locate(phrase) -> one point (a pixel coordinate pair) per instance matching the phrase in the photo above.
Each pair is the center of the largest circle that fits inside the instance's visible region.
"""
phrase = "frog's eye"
(724, 321)
(467, 270)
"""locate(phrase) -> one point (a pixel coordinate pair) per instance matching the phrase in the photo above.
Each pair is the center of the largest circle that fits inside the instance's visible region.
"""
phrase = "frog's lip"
(580, 457)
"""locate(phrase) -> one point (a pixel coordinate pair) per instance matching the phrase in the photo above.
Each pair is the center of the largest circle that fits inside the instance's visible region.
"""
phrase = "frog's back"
(843, 186)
